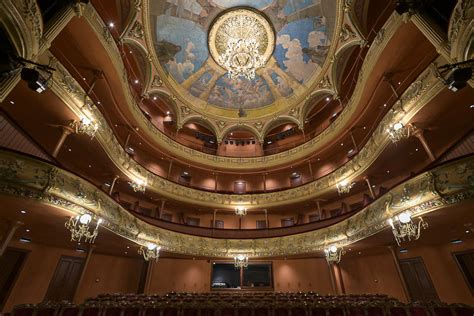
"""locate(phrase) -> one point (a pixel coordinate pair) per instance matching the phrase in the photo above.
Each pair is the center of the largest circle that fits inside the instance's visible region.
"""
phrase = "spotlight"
(458, 79)
(34, 79)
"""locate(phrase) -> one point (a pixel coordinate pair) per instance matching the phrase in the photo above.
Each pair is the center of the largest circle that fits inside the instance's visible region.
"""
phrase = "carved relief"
(137, 30)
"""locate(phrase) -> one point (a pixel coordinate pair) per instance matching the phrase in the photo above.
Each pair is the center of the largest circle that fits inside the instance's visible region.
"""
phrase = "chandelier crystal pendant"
(404, 229)
(240, 211)
(79, 228)
(241, 41)
(151, 252)
(333, 254)
(241, 261)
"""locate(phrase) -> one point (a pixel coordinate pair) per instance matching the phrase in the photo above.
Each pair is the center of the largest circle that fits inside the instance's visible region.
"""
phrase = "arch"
(168, 99)
(24, 28)
(339, 66)
(200, 120)
(142, 53)
(315, 98)
(278, 122)
(239, 126)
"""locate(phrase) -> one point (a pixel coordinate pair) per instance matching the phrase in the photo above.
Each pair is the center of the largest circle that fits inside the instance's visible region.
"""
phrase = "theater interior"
(236, 157)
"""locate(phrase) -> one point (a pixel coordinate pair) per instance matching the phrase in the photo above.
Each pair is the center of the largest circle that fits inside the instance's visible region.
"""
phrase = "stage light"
(459, 78)
(34, 79)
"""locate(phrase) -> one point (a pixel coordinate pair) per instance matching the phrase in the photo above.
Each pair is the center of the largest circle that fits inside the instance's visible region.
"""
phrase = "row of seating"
(242, 304)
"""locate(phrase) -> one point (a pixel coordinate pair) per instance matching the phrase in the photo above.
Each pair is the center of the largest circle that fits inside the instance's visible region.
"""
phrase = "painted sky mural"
(303, 31)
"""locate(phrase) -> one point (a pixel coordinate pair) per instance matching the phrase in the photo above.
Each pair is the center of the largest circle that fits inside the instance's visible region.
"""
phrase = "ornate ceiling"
(309, 35)
(304, 33)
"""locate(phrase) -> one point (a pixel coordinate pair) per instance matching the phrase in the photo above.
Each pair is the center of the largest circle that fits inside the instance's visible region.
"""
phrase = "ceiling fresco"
(303, 32)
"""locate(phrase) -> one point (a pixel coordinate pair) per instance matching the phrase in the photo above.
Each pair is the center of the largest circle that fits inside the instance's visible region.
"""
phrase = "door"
(64, 282)
(418, 280)
(11, 263)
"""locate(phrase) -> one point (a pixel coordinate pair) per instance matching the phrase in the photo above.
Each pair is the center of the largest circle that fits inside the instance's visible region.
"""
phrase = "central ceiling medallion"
(241, 41)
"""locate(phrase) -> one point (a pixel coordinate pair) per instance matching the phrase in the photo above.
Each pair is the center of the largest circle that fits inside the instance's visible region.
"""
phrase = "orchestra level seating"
(243, 304)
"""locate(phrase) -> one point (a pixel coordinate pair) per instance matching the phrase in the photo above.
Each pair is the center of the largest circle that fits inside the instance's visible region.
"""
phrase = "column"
(332, 277)
(215, 182)
(320, 211)
(340, 282)
(169, 169)
(420, 135)
(113, 184)
(66, 131)
(433, 33)
(371, 190)
(162, 207)
(399, 272)
(8, 237)
(149, 276)
(266, 219)
(264, 182)
(214, 219)
(310, 169)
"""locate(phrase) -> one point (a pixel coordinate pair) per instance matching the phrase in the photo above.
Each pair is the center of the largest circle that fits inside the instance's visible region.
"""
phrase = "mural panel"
(303, 31)
(248, 94)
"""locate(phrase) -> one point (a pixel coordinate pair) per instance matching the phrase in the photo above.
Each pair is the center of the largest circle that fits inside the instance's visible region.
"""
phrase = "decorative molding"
(150, 131)
(413, 100)
(24, 177)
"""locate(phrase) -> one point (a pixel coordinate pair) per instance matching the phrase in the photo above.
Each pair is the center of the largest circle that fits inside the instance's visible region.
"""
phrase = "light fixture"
(111, 24)
(398, 131)
(241, 261)
(403, 227)
(85, 126)
(459, 78)
(34, 79)
(344, 186)
(138, 185)
(241, 41)
(241, 211)
(334, 254)
(79, 228)
(150, 252)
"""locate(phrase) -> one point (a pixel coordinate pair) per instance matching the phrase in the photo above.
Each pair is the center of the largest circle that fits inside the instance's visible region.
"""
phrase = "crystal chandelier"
(333, 254)
(139, 185)
(398, 131)
(241, 211)
(242, 58)
(403, 227)
(344, 186)
(79, 228)
(151, 252)
(85, 126)
(241, 261)
(241, 41)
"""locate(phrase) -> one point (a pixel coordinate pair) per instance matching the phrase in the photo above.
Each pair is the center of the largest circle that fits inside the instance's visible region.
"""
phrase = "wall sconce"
(344, 186)
(151, 252)
(79, 228)
(403, 227)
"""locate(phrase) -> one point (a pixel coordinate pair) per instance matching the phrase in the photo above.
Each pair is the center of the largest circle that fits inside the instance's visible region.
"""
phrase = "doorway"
(65, 279)
(418, 280)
